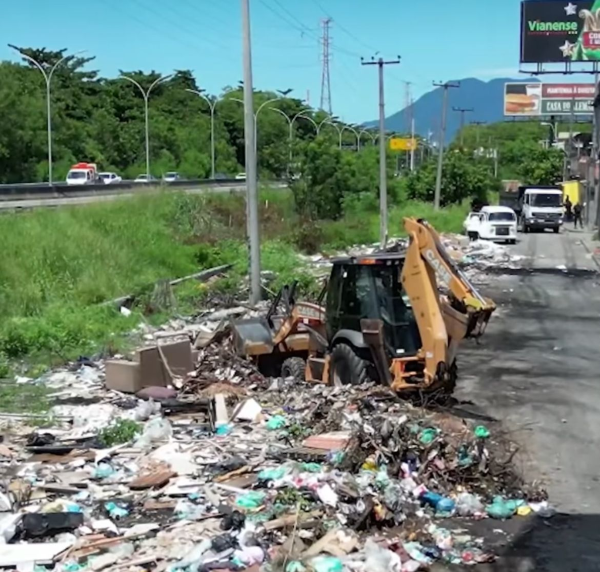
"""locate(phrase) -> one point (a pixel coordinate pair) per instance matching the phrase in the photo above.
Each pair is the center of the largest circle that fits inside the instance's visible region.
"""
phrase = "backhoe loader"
(397, 318)
(278, 342)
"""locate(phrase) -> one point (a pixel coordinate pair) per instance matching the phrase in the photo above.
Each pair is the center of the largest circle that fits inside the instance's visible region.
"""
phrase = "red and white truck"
(83, 174)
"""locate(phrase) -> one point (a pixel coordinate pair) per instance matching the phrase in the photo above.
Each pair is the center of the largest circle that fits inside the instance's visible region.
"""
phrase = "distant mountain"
(486, 98)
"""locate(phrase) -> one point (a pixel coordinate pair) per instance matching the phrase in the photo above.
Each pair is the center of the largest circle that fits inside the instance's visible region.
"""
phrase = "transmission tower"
(326, 56)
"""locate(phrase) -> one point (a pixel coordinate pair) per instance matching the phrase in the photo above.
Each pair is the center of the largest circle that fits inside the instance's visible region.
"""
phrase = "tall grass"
(58, 265)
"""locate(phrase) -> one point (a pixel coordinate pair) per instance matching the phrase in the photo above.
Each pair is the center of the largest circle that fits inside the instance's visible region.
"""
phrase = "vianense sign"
(560, 31)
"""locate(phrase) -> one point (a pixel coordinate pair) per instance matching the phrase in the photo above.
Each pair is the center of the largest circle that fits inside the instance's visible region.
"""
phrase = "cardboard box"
(123, 376)
(152, 370)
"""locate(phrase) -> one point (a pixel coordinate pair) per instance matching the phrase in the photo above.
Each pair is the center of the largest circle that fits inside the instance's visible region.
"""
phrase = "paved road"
(72, 201)
(538, 370)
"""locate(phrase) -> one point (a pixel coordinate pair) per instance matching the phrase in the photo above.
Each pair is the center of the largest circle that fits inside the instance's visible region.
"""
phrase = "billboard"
(537, 99)
(403, 144)
(560, 31)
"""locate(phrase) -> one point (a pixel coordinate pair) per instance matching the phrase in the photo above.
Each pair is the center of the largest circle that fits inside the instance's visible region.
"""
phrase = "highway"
(87, 197)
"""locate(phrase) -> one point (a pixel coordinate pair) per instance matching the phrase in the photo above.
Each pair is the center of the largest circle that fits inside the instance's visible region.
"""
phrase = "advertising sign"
(402, 144)
(537, 99)
(560, 31)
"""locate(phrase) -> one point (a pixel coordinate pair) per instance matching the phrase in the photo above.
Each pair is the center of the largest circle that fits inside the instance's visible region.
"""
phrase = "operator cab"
(370, 288)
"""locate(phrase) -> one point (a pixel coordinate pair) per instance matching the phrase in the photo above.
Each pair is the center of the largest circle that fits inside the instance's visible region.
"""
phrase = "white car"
(109, 178)
(241, 176)
(144, 178)
(498, 224)
(171, 177)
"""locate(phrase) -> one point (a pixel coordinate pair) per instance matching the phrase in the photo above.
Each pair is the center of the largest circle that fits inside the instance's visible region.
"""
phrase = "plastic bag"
(468, 504)
(379, 559)
(156, 430)
(482, 432)
(327, 564)
(276, 422)
(502, 508)
(446, 506)
(252, 499)
(427, 436)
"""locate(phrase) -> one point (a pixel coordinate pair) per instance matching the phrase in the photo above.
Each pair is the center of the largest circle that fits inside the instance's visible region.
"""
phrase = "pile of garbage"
(228, 470)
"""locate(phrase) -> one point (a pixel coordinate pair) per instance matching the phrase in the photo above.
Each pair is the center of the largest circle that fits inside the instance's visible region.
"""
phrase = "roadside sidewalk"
(586, 238)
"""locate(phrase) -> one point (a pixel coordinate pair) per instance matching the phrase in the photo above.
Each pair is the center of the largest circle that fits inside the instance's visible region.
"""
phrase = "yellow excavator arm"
(443, 319)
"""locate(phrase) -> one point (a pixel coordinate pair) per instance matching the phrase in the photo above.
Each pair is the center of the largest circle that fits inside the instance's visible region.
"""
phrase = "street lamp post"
(261, 106)
(48, 80)
(290, 135)
(369, 134)
(328, 121)
(211, 105)
(146, 95)
(355, 134)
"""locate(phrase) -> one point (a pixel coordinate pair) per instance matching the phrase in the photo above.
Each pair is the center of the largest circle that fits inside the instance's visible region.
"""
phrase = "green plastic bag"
(427, 436)
(276, 422)
(253, 499)
(482, 432)
(327, 564)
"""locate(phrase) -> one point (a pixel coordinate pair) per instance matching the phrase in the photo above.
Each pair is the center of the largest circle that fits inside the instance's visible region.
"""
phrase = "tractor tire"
(294, 367)
(347, 368)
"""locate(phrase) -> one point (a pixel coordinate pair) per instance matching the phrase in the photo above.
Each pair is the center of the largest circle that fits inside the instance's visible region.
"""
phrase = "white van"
(498, 224)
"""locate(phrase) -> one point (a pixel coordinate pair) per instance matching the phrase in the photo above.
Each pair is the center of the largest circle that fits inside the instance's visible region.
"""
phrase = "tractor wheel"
(347, 368)
(294, 367)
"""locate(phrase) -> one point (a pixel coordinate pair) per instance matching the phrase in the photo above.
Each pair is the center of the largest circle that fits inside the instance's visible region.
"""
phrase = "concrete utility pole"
(48, 79)
(462, 111)
(412, 136)
(478, 124)
(146, 96)
(438, 181)
(593, 168)
(249, 138)
(380, 63)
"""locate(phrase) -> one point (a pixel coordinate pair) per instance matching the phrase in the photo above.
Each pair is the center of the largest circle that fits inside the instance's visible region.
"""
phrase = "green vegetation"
(23, 398)
(122, 431)
(521, 154)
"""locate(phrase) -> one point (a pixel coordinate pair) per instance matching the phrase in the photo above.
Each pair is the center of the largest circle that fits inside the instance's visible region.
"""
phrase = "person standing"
(568, 210)
(577, 212)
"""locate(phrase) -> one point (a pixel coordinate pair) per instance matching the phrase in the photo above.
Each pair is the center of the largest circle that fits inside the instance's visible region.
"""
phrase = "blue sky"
(437, 40)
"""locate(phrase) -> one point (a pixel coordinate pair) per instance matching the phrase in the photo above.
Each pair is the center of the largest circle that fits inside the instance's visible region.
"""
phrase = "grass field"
(59, 265)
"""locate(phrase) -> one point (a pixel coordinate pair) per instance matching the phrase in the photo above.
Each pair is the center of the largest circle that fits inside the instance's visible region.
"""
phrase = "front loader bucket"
(252, 337)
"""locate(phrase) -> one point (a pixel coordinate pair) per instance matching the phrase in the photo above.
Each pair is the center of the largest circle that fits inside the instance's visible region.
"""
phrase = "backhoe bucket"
(252, 337)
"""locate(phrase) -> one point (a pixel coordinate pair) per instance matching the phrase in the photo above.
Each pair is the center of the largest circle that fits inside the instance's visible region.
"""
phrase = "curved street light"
(212, 104)
(301, 116)
(146, 95)
(368, 133)
(261, 106)
(329, 121)
(48, 80)
(349, 128)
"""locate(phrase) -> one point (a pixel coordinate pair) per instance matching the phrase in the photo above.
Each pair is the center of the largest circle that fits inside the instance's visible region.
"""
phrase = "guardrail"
(40, 191)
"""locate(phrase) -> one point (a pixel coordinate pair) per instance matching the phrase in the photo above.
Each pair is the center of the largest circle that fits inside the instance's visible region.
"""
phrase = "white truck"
(540, 208)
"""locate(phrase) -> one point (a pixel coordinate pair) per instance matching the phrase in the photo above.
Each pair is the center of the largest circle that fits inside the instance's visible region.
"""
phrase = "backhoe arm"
(443, 321)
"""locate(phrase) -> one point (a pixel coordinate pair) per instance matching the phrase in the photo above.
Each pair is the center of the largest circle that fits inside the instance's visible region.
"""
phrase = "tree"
(539, 166)
(464, 177)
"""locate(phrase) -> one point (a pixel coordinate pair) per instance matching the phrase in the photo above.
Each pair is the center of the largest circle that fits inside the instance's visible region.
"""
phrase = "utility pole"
(380, 63)
(249, 138)
(462, 111)
(408, 105)
(412, 136)
(478, 124)
(325, 75)
(438, 181)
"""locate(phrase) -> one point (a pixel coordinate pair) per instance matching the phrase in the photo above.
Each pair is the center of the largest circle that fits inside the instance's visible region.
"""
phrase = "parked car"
(171, 177)
(241, 176)
(495, 223)
(144, 178)
(108, 178)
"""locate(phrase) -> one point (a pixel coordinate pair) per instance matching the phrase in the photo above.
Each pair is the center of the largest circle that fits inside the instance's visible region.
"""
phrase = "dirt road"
(538, 370)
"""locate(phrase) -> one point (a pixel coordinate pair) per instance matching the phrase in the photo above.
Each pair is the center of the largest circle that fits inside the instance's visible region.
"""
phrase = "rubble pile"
(227, 470)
